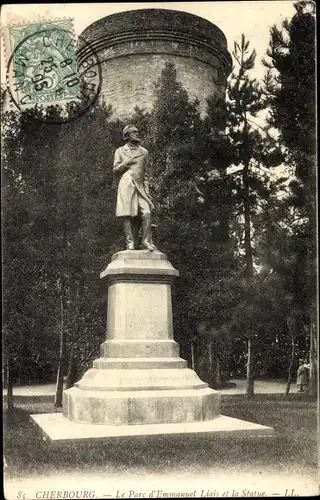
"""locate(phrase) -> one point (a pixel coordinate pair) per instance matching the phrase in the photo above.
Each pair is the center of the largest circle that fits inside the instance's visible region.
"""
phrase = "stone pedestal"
(140, 378)
(139, 385)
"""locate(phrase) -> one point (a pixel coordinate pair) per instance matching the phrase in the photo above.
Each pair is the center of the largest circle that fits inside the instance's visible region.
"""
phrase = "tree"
(278, 243)
(192, 209)
(89, 232)
(290, 88)
(253, 152)
(11, 351)
(174, 143)
(27, 348)
(59, 231)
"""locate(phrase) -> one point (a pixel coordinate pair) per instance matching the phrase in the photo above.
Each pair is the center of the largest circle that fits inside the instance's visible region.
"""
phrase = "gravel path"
(261, 387)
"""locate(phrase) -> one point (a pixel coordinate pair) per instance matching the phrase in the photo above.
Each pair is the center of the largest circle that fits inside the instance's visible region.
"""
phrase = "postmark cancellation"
(41, 63)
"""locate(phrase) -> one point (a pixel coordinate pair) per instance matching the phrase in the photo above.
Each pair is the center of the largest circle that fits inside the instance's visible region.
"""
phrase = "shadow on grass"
(294, 445)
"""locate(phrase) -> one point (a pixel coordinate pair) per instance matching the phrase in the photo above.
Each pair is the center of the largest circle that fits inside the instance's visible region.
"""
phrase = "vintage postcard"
(159, 250)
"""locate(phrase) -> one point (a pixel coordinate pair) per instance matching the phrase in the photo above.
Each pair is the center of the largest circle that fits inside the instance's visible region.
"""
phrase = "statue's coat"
(133, 182)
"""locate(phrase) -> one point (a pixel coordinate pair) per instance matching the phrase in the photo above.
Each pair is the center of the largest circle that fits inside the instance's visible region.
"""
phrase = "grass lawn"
(293, 449)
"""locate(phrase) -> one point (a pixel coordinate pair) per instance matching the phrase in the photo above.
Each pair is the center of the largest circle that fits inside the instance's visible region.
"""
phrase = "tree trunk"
(217, 371)
(71, 375)
(64, 300)
(192, 354)
(19, 376)
(247, 243)
(211, 378)
(60, 372)
(10, 407)
(250, 374)
(312, 389)
(293, 352)
(312, 216)
(249, 266)
(4, 370)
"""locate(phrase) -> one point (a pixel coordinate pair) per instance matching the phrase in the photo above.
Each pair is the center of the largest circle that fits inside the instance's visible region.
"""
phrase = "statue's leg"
(145, 214)
(128, 233)
(135, 224)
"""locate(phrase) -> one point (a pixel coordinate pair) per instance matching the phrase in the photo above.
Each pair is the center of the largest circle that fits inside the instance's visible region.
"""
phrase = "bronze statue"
(134, 204)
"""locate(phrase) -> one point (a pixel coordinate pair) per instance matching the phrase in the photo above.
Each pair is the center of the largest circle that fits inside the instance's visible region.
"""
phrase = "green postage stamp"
(41, 63)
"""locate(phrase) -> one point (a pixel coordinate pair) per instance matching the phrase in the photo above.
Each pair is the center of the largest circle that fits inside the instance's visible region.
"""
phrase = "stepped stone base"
(58, 429)
(141, 407)
(139, 377)
(139, 386)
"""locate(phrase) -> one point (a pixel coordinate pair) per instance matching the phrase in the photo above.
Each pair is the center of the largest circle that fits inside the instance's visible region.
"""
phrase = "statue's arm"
(119, 166)
(147, 183)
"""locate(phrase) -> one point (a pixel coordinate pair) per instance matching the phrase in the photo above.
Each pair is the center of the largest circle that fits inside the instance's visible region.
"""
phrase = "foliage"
(252, 152)
(290, 90)
(192, 207)
(25, 208)
(59, 233)
(245, 250)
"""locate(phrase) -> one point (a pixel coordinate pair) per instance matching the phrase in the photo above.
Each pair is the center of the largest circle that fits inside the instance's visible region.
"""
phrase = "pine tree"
(253, 153)
(290, 87)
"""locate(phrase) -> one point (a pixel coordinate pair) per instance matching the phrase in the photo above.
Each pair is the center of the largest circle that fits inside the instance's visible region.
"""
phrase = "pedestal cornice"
(139, 266)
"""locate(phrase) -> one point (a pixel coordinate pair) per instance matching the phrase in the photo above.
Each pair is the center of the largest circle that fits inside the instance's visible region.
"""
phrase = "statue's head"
(131, 133)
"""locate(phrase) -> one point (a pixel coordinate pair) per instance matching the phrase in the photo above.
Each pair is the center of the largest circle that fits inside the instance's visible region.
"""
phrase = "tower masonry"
(134, 46)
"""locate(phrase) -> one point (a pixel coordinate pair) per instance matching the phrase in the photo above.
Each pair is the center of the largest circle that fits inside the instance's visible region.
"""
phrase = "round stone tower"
(134, 46)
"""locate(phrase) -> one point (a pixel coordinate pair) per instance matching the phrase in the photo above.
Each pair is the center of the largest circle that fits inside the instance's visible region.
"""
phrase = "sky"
(253, 18)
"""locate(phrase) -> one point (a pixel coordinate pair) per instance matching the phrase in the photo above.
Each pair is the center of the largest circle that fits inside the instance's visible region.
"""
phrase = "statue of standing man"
(134, 204)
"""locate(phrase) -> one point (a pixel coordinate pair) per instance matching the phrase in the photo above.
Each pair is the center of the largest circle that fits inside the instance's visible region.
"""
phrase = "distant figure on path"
(302, 375)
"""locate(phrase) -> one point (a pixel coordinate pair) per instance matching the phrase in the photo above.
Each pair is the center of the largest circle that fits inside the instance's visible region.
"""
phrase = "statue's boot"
(128, 233)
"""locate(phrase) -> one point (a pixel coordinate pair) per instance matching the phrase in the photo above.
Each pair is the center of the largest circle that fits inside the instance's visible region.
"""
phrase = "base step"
(59, 429)
(138, 363)
(140, 407)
